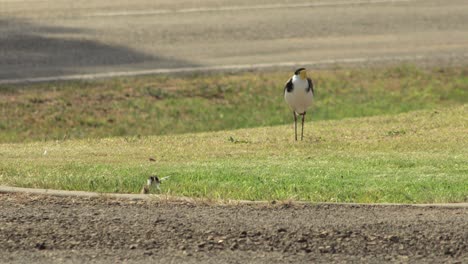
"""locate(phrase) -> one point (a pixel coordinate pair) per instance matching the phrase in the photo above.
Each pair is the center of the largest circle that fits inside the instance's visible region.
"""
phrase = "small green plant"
(233, 140)
(157, 93)
(393, 133)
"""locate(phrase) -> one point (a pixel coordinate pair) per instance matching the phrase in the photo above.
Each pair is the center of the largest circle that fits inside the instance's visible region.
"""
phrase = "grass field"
(158, 105)
(416, 157)
(378, 135)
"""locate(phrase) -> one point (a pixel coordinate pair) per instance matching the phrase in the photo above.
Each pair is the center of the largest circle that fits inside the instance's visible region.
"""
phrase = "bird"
(299, 93)
(152, 181)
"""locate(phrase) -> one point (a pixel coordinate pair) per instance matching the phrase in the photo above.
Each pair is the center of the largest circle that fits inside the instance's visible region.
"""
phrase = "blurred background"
(367, 57)
(59, 38)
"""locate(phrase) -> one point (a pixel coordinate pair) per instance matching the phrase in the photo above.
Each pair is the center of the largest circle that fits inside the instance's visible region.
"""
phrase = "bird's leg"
(295, 125)
(302, 132)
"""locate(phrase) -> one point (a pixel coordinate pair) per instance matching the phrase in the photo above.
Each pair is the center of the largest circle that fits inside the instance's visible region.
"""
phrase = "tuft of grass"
(158, 105)
(365, 159)
(393, 133)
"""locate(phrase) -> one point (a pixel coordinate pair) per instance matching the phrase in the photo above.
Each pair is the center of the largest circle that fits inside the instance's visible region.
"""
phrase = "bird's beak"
(303, 74)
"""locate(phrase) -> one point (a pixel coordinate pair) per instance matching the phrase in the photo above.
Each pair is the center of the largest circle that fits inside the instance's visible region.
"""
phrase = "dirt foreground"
(49, 229)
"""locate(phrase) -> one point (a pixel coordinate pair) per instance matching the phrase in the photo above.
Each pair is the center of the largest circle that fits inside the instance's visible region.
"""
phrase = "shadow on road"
(33, 50)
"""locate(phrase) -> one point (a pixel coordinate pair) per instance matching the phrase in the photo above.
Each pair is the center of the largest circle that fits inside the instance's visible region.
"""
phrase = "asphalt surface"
(71, 38)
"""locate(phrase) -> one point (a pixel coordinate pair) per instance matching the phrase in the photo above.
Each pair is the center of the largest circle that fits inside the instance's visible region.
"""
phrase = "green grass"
(158, 105)
(416, 157)
(378, 135)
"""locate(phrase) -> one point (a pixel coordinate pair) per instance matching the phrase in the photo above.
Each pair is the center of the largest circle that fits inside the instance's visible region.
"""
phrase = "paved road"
(64, 37)
(47, 229)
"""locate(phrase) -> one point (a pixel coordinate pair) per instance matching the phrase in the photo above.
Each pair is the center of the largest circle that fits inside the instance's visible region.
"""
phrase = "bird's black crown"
(298, 71)
(154, 179)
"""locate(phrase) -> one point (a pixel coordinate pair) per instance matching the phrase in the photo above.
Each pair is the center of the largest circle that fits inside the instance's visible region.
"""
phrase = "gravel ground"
(50, 229)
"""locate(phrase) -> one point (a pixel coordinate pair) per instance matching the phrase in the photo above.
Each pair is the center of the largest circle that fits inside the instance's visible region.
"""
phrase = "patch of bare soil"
(48, 229)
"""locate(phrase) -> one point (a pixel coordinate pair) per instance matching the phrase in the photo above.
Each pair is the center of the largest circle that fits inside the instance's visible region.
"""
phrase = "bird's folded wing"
(311, 85)
(289, 86)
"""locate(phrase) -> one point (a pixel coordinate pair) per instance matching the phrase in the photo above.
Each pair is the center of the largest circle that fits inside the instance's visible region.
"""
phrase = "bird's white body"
(299, 99)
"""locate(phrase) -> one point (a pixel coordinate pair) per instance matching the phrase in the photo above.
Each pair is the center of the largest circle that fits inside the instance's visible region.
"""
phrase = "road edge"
(167, 198)
(338, 62)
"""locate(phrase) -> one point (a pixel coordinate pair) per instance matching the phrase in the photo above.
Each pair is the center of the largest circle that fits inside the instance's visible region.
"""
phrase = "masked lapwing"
(153, 181)
(299, 93)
